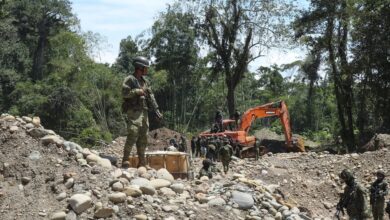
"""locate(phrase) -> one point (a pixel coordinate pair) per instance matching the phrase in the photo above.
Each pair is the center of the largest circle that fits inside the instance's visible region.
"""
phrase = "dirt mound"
(379, 141)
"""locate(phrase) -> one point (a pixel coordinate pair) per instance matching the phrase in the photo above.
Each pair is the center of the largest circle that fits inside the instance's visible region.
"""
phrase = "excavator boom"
(278, 109)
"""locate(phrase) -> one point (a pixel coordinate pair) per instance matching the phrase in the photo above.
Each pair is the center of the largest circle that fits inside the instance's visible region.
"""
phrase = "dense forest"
(201, 50)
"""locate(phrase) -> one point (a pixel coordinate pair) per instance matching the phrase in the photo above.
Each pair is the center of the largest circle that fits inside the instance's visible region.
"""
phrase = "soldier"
(354, 199)
(211, 151)
(183, 144)
(388, 208)
(206, 170)
(218, 120)
(197, 147)
(225, 154)
(193, 146)
(137, 99)
(378, 191)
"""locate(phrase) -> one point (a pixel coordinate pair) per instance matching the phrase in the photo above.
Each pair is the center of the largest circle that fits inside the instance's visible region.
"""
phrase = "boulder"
(201, 198)
(243, 200)
(165, 174)
(27, 119)
(177, 187)
(160, 183)
(148, 190)
(58, 216)
(80, 202)
(92, 158)
(140, 217)
(104, 212)
(117, 197)
(13, 128)
(36, 121)
(118, 186)
(167, 192)
(216, 202)
(140, 182)
(52, 139)
(132, 190)
(106, 163)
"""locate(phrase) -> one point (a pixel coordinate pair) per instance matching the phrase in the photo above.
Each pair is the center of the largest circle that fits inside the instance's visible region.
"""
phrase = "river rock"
(148, 190)
(167, 192)
(92, 158)
(165, 174)
(243, 200)
(58, 216)
(80, 202)
(104, 212)
(52, 139)
(160, 183)
(216, 202)
(117, 197)
(106, 163)
(177, 187)
(117, 186)
(132, 190)
(140, 182)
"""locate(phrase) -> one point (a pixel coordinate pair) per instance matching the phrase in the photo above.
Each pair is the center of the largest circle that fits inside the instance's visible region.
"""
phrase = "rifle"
(339, 208)
(151, 103)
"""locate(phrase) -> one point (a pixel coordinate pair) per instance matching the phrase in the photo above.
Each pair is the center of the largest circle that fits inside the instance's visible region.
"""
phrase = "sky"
(115, 20)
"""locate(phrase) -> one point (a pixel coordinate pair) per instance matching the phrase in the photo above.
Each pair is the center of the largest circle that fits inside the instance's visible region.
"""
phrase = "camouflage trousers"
(378, 208)
(137, 131)
(225, 163)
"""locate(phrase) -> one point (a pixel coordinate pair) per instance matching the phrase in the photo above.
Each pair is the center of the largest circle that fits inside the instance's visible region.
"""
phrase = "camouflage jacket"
(131, 88)
(378, 190)
(226, 152)
(355, 200)
(204, 172)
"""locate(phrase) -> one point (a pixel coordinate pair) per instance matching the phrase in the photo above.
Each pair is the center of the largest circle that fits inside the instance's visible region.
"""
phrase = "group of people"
(214, 148)
(355, 199)
(174, 146)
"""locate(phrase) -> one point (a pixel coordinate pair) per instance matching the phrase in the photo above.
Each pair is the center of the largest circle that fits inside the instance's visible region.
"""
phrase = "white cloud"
(117, 19)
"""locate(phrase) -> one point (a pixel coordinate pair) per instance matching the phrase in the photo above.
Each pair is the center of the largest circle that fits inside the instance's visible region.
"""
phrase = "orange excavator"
(239, 132)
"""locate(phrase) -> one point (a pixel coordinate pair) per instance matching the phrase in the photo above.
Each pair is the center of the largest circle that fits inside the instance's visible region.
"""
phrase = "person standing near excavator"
(138, 98)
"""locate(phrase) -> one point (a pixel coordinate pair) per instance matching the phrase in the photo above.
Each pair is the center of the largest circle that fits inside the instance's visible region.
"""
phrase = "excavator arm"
(278, 109)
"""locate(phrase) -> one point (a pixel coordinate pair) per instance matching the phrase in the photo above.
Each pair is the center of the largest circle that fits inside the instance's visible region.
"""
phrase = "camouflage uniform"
(388, 208)
(377, 197)
(136, 107)
(206, 171)
(354, 199)
(225, 154)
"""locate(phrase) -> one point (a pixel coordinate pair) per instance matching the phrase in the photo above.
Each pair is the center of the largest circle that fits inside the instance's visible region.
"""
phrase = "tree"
(332, 37)
(174, 47)
(371, 66)
(36, 22)
(128, 49)
(238, 32)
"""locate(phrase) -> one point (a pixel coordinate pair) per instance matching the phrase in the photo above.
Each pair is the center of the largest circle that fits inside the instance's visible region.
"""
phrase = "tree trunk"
(346, 79)
(39, 55)
(230, 98)
(336, 78)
